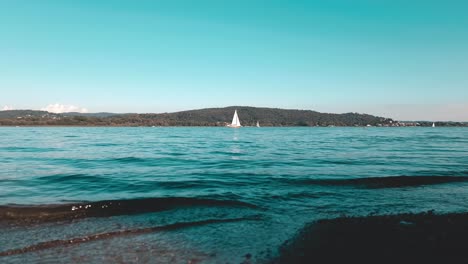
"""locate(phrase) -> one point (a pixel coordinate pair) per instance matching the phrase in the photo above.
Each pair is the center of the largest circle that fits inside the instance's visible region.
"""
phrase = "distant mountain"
(101, 114)
(38, 113)
(25, 114)
(203, 117)
(265, 116)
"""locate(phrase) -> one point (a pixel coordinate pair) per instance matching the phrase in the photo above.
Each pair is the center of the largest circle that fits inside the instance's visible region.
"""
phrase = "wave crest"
(385, 182)
(58, 212)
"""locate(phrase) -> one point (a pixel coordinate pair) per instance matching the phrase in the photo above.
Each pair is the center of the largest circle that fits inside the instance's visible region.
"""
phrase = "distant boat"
(433, 124)
(258, 125)
(235, 121)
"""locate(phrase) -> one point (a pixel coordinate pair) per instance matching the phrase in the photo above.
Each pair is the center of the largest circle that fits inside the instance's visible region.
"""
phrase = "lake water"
(210, 195)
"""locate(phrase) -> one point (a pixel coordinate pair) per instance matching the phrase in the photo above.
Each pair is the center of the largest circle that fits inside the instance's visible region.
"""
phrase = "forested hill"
(266, 117)
(202, 117)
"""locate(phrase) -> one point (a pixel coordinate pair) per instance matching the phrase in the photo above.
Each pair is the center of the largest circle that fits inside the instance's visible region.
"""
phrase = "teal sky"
(400, 59)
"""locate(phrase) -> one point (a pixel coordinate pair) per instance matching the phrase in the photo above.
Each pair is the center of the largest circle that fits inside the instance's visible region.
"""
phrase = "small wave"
(228, 153)
(448, 173)
(184, 184)
(385, 182)
(57, 178)
(106, 144)
(189, 184)
(20, 214)
(28, 149)
(299, 195)
(107, 235)
(129, 159)
(153, 162)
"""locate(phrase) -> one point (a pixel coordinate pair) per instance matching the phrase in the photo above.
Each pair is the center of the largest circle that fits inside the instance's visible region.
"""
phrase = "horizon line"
(231, 106)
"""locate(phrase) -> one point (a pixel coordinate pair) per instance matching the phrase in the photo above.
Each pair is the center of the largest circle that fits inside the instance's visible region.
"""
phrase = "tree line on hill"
(249, 116)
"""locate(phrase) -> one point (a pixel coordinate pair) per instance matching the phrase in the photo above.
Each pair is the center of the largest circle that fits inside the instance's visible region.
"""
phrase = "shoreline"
(214, 117)
(241, 127)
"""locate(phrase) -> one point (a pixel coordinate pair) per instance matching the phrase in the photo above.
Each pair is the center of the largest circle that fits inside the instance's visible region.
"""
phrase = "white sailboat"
(258, 125)
(235, 121)
(433, 124)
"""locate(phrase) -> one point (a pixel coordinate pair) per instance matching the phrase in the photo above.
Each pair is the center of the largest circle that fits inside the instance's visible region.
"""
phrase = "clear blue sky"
(401, 59)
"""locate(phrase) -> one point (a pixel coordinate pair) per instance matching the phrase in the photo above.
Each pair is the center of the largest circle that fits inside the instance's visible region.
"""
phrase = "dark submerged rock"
(430, 238)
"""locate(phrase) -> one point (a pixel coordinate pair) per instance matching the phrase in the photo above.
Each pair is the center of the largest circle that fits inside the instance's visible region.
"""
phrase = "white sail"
(235, 120)
(258, 125)
(433, 124)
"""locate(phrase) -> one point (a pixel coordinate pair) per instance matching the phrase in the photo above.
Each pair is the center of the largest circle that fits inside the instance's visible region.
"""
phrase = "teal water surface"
(215, 193)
